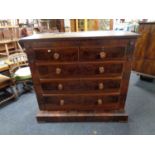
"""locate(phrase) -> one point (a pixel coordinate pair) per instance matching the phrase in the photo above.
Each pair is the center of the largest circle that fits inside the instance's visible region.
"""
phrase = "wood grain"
(144, 54)
(81, 76)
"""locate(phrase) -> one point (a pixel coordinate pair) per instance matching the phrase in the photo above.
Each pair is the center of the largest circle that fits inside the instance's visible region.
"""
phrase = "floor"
(18, 117)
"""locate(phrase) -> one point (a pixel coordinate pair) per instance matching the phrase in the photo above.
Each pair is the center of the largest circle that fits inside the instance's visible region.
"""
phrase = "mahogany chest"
(81, 76)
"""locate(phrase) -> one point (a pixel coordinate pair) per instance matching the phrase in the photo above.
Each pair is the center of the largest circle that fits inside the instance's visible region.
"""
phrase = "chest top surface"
(80, 35)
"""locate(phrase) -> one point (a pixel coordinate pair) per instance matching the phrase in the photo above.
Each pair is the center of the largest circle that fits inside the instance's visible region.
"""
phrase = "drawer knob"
(60, 86)
(99, 101)
(56, 56)
(62, 102)
(102, 55)
(58, 70)
(101, 69)
(101, 86)
(49, 51)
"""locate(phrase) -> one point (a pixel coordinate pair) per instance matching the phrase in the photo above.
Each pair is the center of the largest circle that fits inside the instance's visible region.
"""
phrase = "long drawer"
(79, 85)
(78, 70)
(93, 102)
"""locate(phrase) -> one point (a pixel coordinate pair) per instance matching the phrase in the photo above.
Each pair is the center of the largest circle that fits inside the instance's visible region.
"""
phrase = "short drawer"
(80, 70)
(81, 85)
(81, 102)
(107, 53)
(56, 54)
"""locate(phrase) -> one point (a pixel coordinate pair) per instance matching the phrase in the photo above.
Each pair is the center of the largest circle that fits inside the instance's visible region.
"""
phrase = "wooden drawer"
(106, 53)
(81, 102)
(80, 70)
(81, 85)
(56, 54)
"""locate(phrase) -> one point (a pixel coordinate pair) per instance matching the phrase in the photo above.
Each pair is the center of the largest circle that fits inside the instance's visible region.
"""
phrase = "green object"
(23, 74)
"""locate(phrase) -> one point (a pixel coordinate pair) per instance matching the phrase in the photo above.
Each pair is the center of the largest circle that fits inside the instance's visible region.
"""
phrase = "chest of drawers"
(81, 76)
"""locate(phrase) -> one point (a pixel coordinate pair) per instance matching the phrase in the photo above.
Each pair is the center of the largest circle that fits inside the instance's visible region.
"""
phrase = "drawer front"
(79, 70)
(100, 54)
(89, 102)
(73, 86)
(56, 54)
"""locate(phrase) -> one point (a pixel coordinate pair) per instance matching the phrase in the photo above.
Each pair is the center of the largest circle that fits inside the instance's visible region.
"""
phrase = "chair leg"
(18, 92)
(26, 87)
(15, 91)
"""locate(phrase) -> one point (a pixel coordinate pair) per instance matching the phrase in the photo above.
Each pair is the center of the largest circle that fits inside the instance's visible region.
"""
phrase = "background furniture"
(81, 76)
(9, 36)
(51, 25)
(90, 24)
(4, 67)
(144, 54)
(7, 91)
(20, 71)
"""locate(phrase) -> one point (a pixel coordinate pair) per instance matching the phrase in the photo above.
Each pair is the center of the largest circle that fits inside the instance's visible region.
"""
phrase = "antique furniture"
(77, 25)
(4, 67)
(144, 54)
(50, 25)
(20, 70)
(81, 76)
(6, 89)
(9, 36)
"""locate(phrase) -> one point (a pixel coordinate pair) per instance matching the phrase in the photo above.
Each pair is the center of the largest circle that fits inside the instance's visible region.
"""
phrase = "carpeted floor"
(18, 117)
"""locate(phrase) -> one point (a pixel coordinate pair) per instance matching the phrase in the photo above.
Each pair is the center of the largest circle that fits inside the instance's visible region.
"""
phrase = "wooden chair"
(7, 91)
(20, 71)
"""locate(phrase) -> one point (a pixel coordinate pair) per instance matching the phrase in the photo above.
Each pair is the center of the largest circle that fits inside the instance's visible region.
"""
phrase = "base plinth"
(59, 116)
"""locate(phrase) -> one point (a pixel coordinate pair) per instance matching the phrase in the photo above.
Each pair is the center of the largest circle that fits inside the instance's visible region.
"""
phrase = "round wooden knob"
(60, 86)
(101, 86)
(101, 69)
(99, 101)
(102, 55)
(62, 102)
(49, 51)
(58, 70)
(56, 56)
